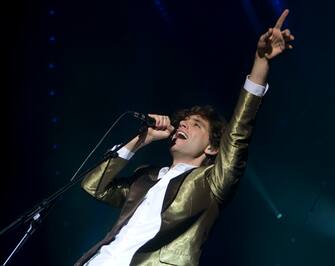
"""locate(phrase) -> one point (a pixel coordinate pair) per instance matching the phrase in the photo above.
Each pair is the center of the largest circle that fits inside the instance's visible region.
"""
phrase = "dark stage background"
(71, 67)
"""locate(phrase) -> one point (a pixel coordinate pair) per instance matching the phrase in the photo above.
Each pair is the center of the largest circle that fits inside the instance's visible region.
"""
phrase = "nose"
(183, 123)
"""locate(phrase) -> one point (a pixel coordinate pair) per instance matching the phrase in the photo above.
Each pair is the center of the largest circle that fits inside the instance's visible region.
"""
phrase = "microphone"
(147, 120)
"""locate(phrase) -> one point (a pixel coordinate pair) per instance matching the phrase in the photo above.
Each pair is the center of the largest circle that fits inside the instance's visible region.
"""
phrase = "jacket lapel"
(173, 188)
(140, 188)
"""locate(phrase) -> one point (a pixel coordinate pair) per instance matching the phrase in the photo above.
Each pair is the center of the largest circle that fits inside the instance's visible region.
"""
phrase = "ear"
(210, 150)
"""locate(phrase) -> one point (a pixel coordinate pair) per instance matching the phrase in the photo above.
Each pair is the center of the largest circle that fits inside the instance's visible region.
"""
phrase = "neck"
(192, 161)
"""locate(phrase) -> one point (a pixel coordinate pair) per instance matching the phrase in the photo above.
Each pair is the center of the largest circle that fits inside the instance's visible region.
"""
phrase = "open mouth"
(180, 135)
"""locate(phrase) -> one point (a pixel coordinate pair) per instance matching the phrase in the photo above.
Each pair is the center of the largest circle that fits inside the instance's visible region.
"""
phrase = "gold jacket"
(192, 200)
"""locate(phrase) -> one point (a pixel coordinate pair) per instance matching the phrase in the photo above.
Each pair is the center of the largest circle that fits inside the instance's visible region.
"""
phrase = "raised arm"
(232, 156)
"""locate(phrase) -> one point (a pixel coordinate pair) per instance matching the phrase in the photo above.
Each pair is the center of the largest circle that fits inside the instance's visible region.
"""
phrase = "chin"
(175, 149)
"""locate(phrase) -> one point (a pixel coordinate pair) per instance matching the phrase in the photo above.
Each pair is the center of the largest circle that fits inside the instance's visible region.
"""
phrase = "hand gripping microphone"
(147, 120)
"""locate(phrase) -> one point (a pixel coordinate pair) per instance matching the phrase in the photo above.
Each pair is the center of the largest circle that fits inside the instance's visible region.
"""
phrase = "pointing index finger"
(281, 19)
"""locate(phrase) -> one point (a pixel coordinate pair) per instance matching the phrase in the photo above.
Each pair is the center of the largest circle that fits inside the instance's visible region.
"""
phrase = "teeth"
(182, 134)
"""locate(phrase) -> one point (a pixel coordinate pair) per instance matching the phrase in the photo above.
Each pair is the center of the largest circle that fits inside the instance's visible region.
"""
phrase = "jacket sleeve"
(231, 160)
(103, 184)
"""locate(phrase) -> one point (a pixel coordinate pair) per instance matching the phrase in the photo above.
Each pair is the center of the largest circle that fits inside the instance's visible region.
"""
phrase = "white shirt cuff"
(255, 89)
(124, 153)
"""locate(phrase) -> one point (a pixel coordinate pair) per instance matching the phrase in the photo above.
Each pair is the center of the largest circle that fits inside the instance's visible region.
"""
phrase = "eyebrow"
(199, 121)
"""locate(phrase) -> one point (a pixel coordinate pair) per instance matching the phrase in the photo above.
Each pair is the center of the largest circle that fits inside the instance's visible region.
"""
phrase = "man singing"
(168, 213)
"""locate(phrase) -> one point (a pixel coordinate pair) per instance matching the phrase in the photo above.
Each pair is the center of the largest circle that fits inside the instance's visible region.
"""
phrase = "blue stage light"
(277, 6)
(52, 39)
(55, 119)
(257, 183)
(55, 146)
(251, 14)
(162, 9)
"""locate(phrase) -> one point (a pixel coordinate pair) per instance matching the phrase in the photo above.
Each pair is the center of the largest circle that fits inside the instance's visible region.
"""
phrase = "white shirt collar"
(178, 169)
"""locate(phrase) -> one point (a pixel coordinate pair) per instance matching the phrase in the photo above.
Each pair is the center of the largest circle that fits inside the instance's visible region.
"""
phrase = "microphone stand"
(34, 215)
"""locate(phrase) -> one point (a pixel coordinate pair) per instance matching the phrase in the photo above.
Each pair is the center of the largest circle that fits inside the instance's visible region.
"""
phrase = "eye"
(197, 125)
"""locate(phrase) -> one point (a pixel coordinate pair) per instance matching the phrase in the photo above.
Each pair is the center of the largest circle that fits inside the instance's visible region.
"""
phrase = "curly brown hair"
(217, 125)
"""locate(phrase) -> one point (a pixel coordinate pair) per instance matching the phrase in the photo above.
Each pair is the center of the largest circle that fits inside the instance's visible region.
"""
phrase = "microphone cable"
(98, 144)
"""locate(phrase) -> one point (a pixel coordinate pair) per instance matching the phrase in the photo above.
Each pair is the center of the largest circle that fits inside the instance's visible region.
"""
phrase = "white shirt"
(146, 220)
